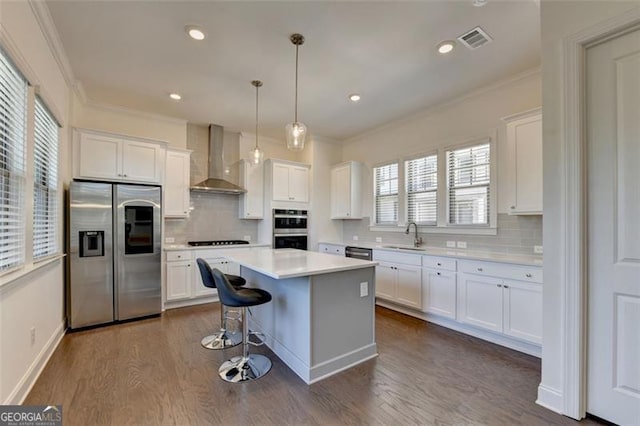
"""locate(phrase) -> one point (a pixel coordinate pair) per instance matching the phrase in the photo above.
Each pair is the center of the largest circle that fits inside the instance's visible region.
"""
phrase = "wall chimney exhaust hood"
(216, 182)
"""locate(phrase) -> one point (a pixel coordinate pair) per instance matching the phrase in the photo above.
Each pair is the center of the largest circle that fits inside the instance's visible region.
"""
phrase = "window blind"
(386, 196)
(468, 177)
(45, 183)
(13, 116)
(422, 187)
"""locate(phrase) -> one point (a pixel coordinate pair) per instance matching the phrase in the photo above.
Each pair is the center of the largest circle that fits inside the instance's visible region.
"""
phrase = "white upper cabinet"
(252, 179)
(114, 157)
(524, 137)
(177, 196)
(346, 191)
(290, 181)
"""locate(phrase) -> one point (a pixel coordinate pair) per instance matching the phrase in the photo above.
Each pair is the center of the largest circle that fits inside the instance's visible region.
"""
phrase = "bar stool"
(248, 366)
(223, 339)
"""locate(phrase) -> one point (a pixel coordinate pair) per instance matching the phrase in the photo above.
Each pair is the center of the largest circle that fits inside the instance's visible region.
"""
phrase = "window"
(13, 115)
(468, 185)
(45, 184)
(386, 194)
(422, 187)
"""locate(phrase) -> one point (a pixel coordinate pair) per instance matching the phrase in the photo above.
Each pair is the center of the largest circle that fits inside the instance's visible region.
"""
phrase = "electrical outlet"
(537, 249)
(364, 289)
(169, 240)
(378, 239)
(247, 238)
(451, 244)
(462, 244)
(33, 335)
(355, 238)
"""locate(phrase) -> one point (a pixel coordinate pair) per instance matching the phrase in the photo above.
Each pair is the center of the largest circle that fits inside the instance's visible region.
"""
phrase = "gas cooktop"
(217, 243)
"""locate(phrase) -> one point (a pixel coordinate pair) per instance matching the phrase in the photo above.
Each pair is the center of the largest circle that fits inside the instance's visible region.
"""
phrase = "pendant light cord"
(257, 116)
(295, 119)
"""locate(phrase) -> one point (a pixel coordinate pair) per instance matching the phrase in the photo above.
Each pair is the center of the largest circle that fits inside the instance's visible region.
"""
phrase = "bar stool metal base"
(222, 340)
(240, 369)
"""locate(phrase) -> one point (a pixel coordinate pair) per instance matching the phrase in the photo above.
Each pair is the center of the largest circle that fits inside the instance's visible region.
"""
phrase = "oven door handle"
(290, 235)
(288, 216)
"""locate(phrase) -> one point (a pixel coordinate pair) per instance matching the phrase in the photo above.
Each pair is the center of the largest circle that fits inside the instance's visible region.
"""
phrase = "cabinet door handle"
(438, 273)
(499, 285)
(347, 214)
(124, 175)
(439, 264)
(189, 264)
(512, 207)
(479, 269)
(179, 257)
(528, 275)
(506, 286)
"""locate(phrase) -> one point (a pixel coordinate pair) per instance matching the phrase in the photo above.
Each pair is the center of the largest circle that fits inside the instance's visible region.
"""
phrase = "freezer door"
(90, 254)
(138, 220)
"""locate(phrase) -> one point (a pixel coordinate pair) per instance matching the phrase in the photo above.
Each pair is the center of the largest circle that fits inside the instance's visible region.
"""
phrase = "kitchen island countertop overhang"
(321, 319)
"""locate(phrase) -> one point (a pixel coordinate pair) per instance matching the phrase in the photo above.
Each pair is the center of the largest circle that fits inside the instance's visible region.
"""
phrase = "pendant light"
(256, 155)
(296, 131)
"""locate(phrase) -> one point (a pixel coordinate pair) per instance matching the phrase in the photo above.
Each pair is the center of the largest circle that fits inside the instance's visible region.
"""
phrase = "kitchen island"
(321, 319)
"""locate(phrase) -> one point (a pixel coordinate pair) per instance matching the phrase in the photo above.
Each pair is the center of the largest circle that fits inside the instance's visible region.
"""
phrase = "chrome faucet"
(417, 241)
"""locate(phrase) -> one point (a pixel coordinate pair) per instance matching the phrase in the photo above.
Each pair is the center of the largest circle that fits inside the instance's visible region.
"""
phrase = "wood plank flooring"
(154, 372)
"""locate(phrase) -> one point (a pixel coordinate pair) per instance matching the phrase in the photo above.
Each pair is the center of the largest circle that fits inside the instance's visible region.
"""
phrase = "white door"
(409, 286)
(480, 301)
(523, 310)
(386, 281)
(299, 184)
(141, 161)
(439, 292)
(99, 156)
(176, 187)
(179, 280)
(341, 192)
(280, 182)
(613, 185)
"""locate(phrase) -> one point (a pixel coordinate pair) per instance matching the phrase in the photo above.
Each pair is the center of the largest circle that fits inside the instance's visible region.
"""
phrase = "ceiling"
(134, 53)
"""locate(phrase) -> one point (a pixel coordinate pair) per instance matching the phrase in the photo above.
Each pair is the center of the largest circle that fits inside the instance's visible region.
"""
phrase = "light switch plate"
(169, 240)
(462, 244)
(378, 239)
(451, 244)
(364, 289)
(537, 249)
(247, 238)
(355, 238)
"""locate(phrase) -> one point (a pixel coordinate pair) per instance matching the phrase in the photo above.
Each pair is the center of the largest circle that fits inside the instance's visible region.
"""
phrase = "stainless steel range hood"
(216, 183)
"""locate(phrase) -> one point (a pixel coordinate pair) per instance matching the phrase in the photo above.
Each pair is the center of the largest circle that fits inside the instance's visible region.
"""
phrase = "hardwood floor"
(154, 372)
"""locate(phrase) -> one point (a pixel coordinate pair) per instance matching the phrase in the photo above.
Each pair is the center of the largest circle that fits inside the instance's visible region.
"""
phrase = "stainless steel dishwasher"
(358, 253)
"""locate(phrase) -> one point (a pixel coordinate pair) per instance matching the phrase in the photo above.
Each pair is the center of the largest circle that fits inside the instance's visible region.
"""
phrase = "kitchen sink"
(404, 248)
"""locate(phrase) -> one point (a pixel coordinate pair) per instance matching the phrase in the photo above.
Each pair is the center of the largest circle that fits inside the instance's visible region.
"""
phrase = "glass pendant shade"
(296, 134)
(256, 155)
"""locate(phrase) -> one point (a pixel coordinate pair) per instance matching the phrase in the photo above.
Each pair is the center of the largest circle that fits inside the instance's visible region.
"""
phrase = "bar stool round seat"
(247, 367)
(222, 339)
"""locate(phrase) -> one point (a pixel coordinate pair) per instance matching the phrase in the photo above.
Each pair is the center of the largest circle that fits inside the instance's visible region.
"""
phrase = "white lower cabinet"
(523, 310)
(179, 275)
(480, 301)
(439, 292)
(397, 281)
(335, 249)
(220, 263)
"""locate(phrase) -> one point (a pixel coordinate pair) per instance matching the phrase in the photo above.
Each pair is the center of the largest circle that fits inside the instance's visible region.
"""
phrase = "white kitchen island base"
(318, 324)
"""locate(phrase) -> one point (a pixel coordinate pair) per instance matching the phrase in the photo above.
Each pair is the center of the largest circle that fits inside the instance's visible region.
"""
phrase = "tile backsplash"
(516, 234)
(212, 217)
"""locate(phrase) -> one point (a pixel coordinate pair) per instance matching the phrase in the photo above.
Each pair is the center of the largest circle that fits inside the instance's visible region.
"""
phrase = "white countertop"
(173, 247)
(518, 259)
(290, 263)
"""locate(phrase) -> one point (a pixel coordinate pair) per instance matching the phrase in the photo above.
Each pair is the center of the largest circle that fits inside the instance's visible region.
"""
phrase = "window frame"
(374, 217)
(405, 189)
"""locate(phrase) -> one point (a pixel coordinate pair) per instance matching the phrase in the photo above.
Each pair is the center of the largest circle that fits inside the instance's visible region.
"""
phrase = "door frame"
(575, 305)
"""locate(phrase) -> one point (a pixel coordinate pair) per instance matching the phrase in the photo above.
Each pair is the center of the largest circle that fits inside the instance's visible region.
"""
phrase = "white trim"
(24, 386)
(458, 230)
(549, 398)
(574, 326)
(447, 104)
(134, 112)
(524, 114)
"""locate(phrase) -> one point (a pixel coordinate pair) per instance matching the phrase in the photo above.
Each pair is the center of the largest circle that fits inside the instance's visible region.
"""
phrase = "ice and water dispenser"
(91, 243)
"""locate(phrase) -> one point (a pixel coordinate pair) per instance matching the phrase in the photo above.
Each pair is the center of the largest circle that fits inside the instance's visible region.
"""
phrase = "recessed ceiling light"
(175, 96)
(479, 3)
(354, 97)
(446, 46)
(195, 32)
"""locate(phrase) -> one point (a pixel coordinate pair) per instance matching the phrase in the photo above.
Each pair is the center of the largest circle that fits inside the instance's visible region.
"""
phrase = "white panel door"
(523, 310)
(613, 184)
(439, 292)
(409, 285)
(99, 156)
(386, 281)
(141, 161)
(480, 301)
(179, 280)
(341, 192)
(280, 182)
(299, 184)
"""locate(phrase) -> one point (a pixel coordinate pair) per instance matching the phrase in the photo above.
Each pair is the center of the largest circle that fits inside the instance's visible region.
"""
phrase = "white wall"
(35, 299)
(129, 122)
(559, 19)
(473, 116)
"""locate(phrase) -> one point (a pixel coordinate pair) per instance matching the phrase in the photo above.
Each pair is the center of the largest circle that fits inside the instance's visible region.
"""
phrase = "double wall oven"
(290, 229)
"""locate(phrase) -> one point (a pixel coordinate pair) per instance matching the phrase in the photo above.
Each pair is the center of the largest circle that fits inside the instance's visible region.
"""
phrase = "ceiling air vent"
(475, 38)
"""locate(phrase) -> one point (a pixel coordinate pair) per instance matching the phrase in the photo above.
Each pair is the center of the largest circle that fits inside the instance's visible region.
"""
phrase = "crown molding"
(142, 114)
(449, 103)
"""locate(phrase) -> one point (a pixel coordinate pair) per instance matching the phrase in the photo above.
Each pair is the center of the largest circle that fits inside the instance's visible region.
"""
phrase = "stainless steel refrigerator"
(113, 244)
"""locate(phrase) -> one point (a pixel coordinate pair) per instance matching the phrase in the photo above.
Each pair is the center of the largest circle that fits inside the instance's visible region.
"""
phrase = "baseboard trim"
(24, 386)
(550, 398)
(189, 302)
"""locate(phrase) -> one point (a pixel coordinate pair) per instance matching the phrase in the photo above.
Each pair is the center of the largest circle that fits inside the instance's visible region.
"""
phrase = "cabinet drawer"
(395, 257)
(173, 256)
(445, 263)
(331, 249)
(502, 270)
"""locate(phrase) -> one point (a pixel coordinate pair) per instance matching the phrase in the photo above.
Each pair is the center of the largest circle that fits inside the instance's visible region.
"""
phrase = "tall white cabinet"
(252, 179)
(346, 191)
(177, 196)
(524, 139)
